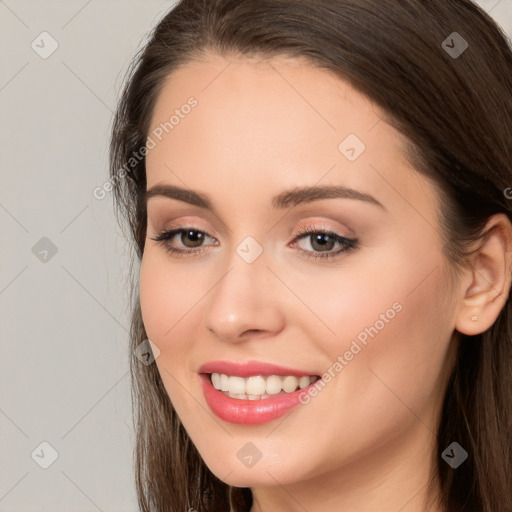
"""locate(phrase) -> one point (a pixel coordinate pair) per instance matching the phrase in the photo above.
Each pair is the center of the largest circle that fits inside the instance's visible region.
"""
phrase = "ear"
(486, 283)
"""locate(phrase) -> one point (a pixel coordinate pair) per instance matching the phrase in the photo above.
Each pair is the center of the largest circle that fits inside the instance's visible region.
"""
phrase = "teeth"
(290, 384)
(216, 378)
(236, 386)
(224, 382)
(304, 381)
(256, 387)
(273, 384)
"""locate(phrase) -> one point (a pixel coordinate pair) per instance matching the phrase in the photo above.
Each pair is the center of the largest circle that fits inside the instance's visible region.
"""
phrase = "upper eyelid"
(318, 224)
(308, 210)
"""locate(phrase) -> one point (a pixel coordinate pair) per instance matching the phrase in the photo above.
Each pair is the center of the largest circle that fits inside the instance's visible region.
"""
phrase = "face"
(350, 287)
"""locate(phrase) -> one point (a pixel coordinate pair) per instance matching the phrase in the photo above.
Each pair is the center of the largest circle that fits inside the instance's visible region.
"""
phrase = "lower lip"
(248, 412)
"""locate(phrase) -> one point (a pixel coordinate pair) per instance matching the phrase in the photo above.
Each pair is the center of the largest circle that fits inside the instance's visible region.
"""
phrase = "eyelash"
(348, 244)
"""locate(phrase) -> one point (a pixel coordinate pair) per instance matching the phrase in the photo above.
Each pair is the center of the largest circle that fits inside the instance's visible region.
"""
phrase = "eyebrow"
(286, 199)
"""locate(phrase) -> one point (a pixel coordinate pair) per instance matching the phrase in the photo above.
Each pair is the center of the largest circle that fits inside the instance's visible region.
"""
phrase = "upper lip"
(250, 368)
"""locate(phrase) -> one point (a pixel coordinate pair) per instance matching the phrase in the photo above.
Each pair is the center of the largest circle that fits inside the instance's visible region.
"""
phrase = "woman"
(317, 194)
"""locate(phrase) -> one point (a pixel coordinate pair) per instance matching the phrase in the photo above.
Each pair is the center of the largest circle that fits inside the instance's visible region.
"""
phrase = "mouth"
(258, 387)
(254, 399)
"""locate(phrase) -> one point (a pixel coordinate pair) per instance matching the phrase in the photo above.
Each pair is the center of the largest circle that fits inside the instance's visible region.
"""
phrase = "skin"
(366, 441)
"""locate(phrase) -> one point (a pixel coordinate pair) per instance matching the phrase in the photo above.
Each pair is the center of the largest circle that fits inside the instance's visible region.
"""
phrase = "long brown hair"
(456, 112)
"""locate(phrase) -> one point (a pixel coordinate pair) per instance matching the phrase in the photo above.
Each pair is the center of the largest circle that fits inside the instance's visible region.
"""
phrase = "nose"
(244, 302)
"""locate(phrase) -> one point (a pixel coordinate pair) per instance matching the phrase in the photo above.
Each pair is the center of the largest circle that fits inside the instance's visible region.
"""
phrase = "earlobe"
(489, 277)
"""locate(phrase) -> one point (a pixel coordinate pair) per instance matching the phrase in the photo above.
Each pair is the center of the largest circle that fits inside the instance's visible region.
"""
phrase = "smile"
(253, 392)
(258, 387)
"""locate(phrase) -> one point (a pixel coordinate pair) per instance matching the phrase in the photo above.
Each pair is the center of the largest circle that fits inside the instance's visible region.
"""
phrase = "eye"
(321, 241)
(324, 242)
(187, 234)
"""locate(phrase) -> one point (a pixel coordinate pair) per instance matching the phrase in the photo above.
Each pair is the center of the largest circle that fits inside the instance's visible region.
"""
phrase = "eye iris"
(318, 239)
(195, 236)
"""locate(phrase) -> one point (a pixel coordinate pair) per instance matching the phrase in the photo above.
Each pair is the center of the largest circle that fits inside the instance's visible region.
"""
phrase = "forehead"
(273, 123)
(265, 107)
(271, 91)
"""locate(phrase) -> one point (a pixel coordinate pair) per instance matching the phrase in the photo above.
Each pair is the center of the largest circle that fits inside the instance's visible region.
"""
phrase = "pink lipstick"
(257, 410)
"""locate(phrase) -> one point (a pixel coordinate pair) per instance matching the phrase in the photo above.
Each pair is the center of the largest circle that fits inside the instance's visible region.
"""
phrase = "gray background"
(63, 317)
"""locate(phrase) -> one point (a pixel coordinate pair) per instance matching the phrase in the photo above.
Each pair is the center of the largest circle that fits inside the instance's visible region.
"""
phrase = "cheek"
(396, 299)
(392, 331)
(167, 294)
(153, 301)
(167, 297)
